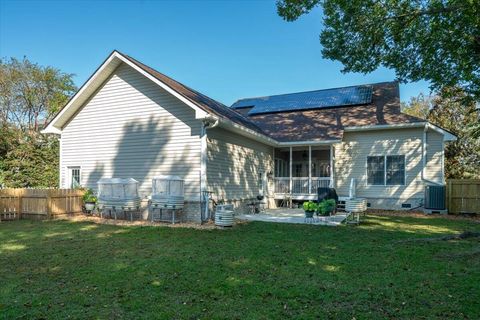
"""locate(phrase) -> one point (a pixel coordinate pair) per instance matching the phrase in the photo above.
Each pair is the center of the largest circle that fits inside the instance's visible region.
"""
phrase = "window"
(281, 168)
(395, 170)
(386, 170)
(376, 170)
(74, 177)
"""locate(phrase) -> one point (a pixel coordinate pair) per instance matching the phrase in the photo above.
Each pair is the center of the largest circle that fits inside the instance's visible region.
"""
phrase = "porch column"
(332, 171)
(310, 169)
(290, 164)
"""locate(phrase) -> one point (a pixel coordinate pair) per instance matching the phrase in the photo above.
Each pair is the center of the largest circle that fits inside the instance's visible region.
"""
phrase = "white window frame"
(69, 176)
(385, 169)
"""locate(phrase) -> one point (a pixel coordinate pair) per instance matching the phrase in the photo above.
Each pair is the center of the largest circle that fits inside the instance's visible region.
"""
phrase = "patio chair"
(286, 201)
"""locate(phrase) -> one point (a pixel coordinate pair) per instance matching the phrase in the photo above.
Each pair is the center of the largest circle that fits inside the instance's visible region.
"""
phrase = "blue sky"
(225, 49)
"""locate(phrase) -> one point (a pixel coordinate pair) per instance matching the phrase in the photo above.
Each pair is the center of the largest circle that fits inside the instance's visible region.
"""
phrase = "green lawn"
(60, 269)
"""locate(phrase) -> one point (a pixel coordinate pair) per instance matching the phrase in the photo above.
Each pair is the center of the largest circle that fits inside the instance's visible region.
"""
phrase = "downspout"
(60, 162)
(208, 123)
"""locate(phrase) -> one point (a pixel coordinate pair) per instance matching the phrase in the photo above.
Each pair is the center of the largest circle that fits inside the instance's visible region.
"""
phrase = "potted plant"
(309, 207)
(326, 207)
(89, 199)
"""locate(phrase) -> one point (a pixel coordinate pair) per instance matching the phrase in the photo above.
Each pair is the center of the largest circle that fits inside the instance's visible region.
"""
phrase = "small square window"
(74, 177)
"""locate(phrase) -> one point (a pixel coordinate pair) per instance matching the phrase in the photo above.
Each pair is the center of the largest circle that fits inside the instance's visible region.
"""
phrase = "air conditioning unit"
(435, 198)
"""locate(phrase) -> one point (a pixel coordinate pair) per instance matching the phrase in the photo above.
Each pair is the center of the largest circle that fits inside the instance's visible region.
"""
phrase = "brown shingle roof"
(329, 123)
(318, 124)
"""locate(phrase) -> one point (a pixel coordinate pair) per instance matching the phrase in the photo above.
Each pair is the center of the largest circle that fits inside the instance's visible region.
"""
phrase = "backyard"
(380, 269)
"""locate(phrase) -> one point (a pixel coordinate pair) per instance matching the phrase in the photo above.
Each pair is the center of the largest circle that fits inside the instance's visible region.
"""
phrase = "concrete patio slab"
(286, 215)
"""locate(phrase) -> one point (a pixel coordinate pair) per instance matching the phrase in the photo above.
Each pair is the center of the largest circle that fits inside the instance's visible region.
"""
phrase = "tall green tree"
(433, 40)
(30, 95)
(450, 109)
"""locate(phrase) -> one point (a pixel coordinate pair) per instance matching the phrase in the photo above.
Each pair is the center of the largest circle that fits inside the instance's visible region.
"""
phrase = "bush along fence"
(39, 203)
(463, 196)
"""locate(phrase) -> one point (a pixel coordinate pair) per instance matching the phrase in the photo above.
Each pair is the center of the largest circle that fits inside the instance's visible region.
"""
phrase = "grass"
(60, 269)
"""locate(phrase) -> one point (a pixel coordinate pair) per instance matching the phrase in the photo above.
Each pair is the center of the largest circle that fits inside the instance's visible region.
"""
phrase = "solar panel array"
(308, 100)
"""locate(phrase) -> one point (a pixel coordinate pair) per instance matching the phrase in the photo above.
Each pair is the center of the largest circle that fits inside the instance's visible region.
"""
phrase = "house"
(130, 121)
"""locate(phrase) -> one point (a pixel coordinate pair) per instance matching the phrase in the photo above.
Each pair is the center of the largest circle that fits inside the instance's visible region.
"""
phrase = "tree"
(449, 110)
(418, 106)
(29, 96)
(31, 162)
(433, 40)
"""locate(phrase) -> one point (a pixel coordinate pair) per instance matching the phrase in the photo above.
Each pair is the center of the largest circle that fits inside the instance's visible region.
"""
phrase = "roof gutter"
(447, 136)
(308, 143)
(386, 126)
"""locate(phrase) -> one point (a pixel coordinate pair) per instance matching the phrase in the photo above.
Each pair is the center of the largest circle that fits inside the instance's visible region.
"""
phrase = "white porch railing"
(300, 185)
(323, 182)
(282, 185)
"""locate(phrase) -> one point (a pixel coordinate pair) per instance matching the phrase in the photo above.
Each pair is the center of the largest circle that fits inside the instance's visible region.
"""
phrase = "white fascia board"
(52, 128)
(385, 126)
(447, 136)
(308, 143)
(199, 113)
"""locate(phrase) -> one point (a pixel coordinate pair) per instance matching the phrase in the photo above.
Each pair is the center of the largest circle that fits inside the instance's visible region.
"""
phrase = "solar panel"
(308, 100)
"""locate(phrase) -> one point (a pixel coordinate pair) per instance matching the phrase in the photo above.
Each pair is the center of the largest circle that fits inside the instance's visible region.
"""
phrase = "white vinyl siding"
(131, 128)
(435, 159)
(351, 161)
(237, 165)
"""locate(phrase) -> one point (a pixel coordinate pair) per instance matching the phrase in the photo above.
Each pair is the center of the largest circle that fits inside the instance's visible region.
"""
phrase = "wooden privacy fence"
(42, 203)
(463, 196)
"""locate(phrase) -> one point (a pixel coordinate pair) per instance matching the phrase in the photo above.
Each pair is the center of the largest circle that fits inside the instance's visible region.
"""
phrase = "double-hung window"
(386, 170)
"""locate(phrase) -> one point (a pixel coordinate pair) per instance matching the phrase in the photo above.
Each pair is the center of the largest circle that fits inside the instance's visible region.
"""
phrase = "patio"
(287, 215)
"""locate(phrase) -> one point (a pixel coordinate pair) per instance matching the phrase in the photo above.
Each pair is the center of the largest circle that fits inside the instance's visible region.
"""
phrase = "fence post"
(19, 194)
(449, 196)
(49, 204)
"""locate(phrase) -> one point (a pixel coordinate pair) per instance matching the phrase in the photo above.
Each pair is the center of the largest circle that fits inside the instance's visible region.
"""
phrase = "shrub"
(89, 196)
(325, 207)
(309, 206)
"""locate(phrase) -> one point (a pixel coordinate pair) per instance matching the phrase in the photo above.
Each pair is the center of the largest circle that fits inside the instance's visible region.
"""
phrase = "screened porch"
(300, 171)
